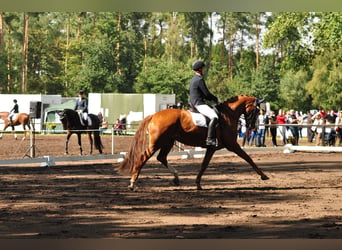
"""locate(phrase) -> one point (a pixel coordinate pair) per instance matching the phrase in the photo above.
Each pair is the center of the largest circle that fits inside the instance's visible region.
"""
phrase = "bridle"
(252, 115)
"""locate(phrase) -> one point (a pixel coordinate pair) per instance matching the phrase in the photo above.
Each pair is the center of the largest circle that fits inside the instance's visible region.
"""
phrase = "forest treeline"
(291, 59)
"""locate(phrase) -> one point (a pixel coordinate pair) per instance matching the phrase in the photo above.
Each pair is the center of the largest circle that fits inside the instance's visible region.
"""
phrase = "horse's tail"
(136, 148)
(97, 141)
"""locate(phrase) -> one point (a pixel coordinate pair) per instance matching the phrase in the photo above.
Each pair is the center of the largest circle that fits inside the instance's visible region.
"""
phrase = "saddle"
(199, 119)
(84, 122)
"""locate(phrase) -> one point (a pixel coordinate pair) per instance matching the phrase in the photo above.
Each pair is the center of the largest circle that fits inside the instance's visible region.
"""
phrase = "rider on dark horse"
(81, 107)
(198, 94)
(14, 110)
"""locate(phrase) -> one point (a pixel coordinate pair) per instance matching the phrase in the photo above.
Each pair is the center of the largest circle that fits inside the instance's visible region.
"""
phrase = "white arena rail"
(289, 148)
(49, 161)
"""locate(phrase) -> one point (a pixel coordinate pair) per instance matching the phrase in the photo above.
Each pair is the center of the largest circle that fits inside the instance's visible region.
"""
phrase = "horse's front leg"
(208, 155)
(79, 142)
(240, 152)
(25, 132)
(14, 133)
(67, 143)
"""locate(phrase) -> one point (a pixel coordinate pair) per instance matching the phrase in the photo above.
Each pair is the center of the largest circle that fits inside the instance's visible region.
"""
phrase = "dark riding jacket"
(15, 109)
(199, 91)
(82, 104)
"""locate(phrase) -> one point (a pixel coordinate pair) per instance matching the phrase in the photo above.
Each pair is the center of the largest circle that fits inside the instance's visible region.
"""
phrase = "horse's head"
(69, 118)
(63, 118)
(252, 110)
(247, 105)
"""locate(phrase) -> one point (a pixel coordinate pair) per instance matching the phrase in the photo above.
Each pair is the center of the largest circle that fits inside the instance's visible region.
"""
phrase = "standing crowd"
(323, 128)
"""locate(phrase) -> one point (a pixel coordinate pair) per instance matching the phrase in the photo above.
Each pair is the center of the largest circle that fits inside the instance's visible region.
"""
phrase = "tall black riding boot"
(211, 138)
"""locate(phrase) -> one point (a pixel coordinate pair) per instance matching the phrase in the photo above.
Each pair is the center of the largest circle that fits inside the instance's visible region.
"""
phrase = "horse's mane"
(226, 107)
(70, 112)
(235, 98)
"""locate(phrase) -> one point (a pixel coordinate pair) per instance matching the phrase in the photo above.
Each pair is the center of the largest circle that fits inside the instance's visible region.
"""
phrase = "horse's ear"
(260, 101)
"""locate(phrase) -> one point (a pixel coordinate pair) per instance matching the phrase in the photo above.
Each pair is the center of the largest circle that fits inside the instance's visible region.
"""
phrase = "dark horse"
(20, 119)
(71, 122)
(170, 125)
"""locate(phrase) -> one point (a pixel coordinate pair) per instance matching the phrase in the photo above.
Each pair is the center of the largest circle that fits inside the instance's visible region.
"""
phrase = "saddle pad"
(199, 119)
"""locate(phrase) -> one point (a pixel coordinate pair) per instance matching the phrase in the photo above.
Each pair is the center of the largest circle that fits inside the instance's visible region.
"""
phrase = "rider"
(81, 106)
(198, 94)
(14, 110)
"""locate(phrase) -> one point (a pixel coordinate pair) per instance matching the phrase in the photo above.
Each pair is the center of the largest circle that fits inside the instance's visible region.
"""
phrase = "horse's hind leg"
(79, 142)
(90, 138)
(162, 157)
(138, 165)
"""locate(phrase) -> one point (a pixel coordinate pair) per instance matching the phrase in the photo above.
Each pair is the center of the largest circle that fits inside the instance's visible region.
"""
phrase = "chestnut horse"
(71, 122)
(170, 125)
(20, 119)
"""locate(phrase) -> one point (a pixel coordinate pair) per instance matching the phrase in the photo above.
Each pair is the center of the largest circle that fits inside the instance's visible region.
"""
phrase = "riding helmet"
(198, 65)
(80, 92)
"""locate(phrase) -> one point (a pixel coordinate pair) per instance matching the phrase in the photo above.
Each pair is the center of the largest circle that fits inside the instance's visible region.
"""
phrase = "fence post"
(112, 140)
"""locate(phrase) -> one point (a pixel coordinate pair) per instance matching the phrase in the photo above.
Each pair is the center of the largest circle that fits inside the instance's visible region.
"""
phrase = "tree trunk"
(9, 60)
(223, 40)
(231, 49)
(118, 65)
(257, 34)
(2, 43)
(24, 54)
(66, 62)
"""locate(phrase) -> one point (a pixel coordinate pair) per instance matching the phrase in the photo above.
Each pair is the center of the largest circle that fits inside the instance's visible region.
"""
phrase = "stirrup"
(211, 142)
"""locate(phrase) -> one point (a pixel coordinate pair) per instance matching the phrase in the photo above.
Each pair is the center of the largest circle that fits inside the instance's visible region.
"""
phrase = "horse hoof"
(176, 182)
(199, 187)
(264, 178)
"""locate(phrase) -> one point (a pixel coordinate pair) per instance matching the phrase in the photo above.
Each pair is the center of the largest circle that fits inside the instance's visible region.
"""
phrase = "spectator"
(318, 120)
(272, 121)
(292, 118)
(124, 122)
(281, 119)
(300, 122)
(243, 133)
(309, 120)
(100, 116)
(321, 111)
(330, 132)
(338, 127)
(253, 139)
(262, 121)
(118, 127)
(180, 105)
